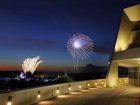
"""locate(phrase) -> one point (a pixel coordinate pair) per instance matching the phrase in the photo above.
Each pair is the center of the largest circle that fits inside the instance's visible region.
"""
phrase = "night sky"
(30, 28)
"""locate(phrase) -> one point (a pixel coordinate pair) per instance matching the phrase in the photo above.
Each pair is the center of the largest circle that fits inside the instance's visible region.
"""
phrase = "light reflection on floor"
(93, 88)
(61, 97)
(85, 90)
(47, 102)
(75, 93)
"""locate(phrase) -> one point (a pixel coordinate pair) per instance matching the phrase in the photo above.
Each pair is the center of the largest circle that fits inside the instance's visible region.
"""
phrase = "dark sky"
(30, 28)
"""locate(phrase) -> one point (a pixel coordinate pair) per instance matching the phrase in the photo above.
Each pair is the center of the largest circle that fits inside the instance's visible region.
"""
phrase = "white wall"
(29, 96)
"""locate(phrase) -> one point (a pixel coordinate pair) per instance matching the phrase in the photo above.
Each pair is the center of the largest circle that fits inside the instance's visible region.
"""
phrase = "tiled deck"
(126, 95)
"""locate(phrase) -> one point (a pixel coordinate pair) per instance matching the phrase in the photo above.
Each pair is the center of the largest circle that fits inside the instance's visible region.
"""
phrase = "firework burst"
(80, 47)
(30, 64)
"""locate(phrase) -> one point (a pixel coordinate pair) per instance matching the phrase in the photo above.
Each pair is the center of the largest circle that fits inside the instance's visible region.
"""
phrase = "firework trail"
(30, 64)
(80, 47)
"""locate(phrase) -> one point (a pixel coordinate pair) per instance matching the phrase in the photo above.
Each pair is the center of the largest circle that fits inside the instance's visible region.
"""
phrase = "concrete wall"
(112, 75)
(127, 45)
(121, 45)
(124, 32)
(127, 54)
(133, 12)
(29, 96)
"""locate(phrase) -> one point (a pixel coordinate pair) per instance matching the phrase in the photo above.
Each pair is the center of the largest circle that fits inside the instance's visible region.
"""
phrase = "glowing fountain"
(30, 64)
(22, 75)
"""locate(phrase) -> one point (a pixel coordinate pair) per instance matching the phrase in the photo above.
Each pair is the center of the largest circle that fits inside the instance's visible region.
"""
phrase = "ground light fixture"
(125, 81)
(57, 91)
(9, 102)
(38, 95)
(120, 81)
(69, 88)
(102, 82)
(80, 86)
(89, 85)
(95, 83)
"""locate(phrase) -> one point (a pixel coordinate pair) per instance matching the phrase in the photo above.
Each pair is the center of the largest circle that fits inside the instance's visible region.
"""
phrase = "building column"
(112, 76)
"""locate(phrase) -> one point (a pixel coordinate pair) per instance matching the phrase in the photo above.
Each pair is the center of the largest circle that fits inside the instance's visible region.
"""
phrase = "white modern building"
(126, 51)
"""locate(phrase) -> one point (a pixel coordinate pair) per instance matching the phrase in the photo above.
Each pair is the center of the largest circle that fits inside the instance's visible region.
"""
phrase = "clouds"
(103, 49)
(28, 43)
(34, 44)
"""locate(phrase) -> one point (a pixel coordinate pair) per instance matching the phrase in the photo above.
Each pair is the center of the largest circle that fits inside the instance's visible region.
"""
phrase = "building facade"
(126, 52)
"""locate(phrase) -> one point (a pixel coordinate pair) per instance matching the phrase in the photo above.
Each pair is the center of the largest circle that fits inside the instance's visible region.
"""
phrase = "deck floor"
(126, 95)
